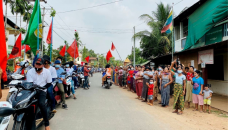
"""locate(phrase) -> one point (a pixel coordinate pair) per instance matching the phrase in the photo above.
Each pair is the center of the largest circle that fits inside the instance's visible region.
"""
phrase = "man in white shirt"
(54, 76)
(42, 77)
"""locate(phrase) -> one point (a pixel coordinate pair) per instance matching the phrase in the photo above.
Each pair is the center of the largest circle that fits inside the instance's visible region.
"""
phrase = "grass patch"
(219, 113)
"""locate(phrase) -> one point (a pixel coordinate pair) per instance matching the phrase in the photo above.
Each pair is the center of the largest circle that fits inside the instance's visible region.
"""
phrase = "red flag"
(3, 52)
(108, 56)
(87, 59)
(62, 52)
(113, 47)
(26, 47)
(73, 50)
(16, 51)
(48, 41)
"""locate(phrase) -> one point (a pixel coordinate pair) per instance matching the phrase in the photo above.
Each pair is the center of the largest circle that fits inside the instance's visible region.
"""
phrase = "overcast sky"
(99, 26)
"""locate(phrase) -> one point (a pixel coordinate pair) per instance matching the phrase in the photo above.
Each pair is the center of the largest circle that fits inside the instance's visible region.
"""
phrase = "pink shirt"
(139, 74)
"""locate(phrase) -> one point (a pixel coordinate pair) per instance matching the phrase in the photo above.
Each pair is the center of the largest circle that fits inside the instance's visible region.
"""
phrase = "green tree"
(138, 58)
(76, 35)
(153, 43)
(27, 14)
(18, 6)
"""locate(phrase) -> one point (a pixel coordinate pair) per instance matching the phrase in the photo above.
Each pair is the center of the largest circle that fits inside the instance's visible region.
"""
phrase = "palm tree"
(153, 42)
(17, 6)
(27, 14)
(79, 42)
(6, 1)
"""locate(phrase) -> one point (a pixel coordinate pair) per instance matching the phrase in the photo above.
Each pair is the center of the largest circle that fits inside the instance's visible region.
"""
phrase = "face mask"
(67, 65)
(132, 68)
(151, 82)
(57, 66)
(179, 71)
(38, 69)
(196, 76)
(18, 64)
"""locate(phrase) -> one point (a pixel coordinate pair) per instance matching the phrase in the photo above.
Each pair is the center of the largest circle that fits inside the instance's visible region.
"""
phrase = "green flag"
(31, 36)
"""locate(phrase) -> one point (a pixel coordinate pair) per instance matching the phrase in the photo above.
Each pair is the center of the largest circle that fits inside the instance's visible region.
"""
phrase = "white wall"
(178, 45)
(219, 87)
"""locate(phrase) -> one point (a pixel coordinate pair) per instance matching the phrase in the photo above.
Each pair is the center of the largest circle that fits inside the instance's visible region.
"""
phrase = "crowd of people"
(42, 72)
(182, 83)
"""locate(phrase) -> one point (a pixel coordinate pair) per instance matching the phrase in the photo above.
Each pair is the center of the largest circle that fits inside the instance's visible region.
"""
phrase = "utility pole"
(134, 46)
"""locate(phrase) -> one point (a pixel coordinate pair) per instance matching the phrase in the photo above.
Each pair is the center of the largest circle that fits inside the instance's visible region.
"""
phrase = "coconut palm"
(153, 42)
(27, 14)
(6, 2)
(18, 6)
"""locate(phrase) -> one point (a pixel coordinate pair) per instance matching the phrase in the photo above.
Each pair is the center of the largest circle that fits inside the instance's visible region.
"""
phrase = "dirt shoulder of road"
(189, 120)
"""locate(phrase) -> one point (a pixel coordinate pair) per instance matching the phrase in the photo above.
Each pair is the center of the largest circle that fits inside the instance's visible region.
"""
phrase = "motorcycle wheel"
(108, 86)
(19, 125)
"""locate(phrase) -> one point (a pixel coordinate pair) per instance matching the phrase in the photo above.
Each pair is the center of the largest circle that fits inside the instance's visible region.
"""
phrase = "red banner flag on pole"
(113, 47)
(3, 52)
(63, 51)
(108, 56)
(26, 47)
(87, 59)
(48, 41)
(16, 51)
(73, 49)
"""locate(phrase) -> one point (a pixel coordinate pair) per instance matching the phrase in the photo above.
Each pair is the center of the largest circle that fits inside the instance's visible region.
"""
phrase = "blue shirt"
(59, 71)
(180, 79)
(75, 67)
(197, 85)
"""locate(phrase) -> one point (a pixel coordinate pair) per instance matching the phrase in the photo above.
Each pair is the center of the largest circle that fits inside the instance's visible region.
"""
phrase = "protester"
(86, 74)
(179, 89)
(197, 90)
(166, 80)
(54, 76)
(155, 77)
(59, 71)
(130, 73)
(134, 81)
(150, 86)
(139, 82)
(124, 79)
(147, 74)
(207, 94)
(189, 74)
(121, 76)
(113, 74)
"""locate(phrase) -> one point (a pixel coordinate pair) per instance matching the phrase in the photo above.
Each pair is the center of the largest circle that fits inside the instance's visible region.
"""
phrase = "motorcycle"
(82, 78)
(16, 78)
(107, 82)
(24, 105)
(4, 120)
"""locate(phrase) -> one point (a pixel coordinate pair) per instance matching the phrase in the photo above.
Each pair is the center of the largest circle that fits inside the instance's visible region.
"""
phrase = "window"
(78, 58)
(225, 33)
(183, 41)
(177, 32)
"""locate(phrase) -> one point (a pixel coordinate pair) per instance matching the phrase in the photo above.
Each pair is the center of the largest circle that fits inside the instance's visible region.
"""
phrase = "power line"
(91, 7)
(55, 31)
(177, 2)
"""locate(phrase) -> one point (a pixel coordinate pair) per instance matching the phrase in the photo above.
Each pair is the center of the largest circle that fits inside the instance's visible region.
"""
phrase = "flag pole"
(117, 52)
(38, 5)
(172, 34)
(51, 39)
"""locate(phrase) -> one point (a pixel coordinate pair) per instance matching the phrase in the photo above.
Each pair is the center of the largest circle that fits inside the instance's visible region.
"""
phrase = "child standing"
(150, 86)
(207, 94)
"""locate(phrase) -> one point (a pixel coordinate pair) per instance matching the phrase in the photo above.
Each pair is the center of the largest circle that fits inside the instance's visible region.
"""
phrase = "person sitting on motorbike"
(69, 70)
(108, 73)
(60, 70)
(23, 70)
(42, 77)
(54, 76)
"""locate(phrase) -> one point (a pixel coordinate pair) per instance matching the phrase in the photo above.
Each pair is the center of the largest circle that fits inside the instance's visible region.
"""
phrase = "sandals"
(179, 113)
(175, 112)
(195, 110)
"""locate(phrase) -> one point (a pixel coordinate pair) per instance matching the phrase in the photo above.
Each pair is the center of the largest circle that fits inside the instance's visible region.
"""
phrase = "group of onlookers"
(182, 83)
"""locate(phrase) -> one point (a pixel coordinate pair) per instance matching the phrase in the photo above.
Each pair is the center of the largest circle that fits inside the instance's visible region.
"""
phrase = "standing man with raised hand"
(86, 74)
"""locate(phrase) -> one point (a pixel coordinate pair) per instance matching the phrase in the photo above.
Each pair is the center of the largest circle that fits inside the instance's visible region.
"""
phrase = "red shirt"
(131, 72)
(86, 71)
(189, 75)
(151, 89)
(128, 78)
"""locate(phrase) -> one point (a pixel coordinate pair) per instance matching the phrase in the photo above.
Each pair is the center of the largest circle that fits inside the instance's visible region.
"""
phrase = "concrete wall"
(187, 57)
(219, 87)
